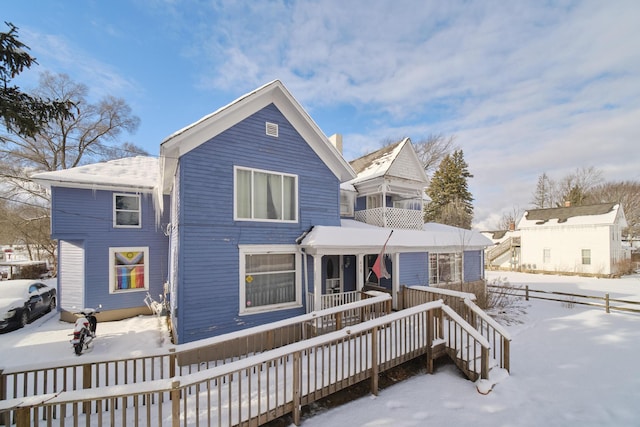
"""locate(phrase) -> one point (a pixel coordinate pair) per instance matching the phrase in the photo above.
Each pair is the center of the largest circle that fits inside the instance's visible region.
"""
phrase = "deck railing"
(462, 303)
(258, 389)
(92, 372)
(332, 300)
(392, 218)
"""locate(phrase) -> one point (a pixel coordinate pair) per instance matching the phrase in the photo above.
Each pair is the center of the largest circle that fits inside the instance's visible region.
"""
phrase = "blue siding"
(473, 266)
(414, 269)
(86, 215)
(208, 301)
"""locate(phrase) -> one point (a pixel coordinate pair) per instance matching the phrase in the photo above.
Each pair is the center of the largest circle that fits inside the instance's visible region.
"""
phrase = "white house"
(574, 239)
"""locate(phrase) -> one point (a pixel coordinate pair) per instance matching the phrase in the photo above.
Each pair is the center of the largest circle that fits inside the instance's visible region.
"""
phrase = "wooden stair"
(462, 364)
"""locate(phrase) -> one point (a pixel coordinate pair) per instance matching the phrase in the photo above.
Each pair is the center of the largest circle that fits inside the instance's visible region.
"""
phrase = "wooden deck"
(249, 389)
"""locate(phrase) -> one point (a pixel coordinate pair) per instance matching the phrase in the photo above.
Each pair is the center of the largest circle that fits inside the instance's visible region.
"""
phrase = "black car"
(23, 300)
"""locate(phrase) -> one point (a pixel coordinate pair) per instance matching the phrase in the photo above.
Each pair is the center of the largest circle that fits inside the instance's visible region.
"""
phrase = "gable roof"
(201, 131)
(602, 213)
(382, 162)
(138, 173)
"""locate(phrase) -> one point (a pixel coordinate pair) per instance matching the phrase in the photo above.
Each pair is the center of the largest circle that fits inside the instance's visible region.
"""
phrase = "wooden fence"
(604, 301)
(88, 372)
(255, 390)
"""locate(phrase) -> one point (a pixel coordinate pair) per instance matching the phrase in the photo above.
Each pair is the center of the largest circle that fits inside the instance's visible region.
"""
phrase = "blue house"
(250, 215)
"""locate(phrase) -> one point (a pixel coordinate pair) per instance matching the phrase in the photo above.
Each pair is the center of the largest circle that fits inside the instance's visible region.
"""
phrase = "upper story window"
(265, 196)
(126, 211)
(347, 200)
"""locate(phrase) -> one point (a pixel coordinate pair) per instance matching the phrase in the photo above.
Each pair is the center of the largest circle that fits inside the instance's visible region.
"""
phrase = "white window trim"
(112, 275)
(252, 219)
(115, 224)
(244, 250)
(351, 203)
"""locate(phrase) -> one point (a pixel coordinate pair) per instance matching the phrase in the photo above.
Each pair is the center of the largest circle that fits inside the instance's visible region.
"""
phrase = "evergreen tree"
(451, 201)
(23, 114)
(544, 192)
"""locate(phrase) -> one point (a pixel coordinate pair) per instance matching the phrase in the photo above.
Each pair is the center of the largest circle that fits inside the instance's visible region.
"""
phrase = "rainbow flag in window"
(129, 270)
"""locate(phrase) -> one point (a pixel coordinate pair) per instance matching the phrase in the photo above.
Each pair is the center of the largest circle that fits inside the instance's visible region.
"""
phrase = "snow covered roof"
(397, 165)
(376, 164)
(139, 173)
(201, 131)
(603, 213)
(354, 236)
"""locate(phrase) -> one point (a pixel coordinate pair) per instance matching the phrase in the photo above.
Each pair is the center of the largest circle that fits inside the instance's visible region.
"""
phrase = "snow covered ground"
(571, 365)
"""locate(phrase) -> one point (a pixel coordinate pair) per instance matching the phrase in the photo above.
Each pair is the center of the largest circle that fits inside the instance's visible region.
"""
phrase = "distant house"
(504, 254)
(578, 239)
(250, 215)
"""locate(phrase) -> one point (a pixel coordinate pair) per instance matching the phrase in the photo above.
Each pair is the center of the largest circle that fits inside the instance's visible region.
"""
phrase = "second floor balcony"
(387, 217)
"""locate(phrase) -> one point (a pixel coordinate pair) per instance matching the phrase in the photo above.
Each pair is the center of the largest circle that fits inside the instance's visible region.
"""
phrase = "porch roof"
(354, 237)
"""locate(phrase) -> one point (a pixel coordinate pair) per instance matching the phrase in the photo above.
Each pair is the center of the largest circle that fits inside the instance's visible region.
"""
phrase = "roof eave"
(192, 136)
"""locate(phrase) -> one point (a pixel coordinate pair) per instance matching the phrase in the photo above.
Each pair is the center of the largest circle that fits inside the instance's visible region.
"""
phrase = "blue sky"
(526, 87)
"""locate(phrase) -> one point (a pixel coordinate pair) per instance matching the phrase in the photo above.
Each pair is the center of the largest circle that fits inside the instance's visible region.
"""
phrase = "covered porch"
(338, 260)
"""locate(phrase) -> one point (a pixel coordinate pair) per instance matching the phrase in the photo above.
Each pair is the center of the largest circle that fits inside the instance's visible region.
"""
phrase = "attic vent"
(272, 129)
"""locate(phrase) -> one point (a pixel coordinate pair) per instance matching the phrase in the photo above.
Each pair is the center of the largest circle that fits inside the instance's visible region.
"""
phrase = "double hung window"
(126, 211)
(265, 196)
(445, 268)
(269, 278)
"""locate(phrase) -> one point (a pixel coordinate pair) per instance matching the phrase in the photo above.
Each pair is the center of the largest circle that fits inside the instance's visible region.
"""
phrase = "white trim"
(253, 219)
(115, 224)
(203, 130)
(244, 250)
(112, 276)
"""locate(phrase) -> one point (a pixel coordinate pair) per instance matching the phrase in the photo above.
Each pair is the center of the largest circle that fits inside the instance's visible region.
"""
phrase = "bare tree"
(510, 218)
(544, 193)
(627, 193)
(92, 134)
(575, 187)
(433, 149)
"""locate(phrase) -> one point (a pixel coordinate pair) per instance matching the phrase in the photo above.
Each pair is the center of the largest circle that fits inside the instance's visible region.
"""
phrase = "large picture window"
(128, 269)
(265, 196)
(269, 279)
(126, 210)
(445, 268)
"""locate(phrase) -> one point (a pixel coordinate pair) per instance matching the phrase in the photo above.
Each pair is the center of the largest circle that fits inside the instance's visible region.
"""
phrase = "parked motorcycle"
(84, 330)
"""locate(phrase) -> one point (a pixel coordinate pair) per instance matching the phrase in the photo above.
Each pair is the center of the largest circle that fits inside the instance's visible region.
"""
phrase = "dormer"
(389, 187)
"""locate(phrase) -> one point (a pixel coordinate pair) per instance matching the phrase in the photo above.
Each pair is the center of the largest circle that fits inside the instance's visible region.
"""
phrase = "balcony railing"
(392, 218)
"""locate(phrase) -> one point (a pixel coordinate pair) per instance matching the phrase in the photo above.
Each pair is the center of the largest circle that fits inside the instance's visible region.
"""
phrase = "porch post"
(359, 272)
(317, 282)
